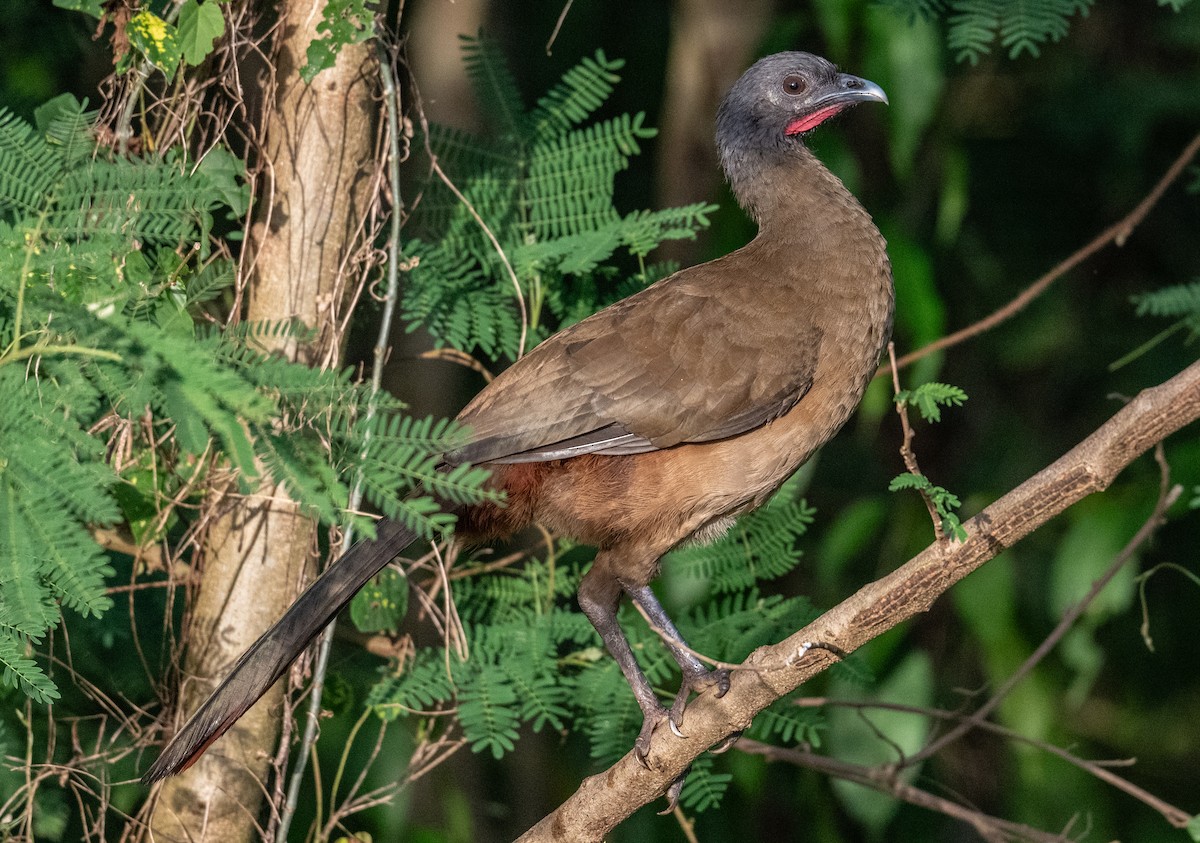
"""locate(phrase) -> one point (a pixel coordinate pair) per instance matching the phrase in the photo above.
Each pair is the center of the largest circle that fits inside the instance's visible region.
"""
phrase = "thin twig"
(562, 16)
(1116, 233)
(887, 782)
(454, 355)
(1099, 769)
(906, 450)
(675, 643)
(688, 827)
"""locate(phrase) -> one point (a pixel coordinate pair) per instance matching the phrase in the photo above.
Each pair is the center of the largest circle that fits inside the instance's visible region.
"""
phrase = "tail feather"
(271, 655)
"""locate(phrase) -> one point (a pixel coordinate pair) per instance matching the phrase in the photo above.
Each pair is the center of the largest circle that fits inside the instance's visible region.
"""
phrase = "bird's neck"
(789, 188)
(819, 253)
(812, 232)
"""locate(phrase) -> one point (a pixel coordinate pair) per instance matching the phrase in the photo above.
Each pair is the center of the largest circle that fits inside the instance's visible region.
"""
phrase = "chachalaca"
(661, 418)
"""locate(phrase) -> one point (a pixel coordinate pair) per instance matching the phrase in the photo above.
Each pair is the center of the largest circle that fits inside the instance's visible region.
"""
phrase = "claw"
(651, 721)
(675, 729)
(672, 794)
(718, 680)
(727, 743)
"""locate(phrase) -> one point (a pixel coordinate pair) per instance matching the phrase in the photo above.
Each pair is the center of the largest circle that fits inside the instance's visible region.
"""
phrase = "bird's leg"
(599, 596)
(696, 677)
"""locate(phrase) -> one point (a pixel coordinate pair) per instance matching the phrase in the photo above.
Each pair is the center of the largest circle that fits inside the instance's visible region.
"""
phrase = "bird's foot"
(717, 680)
(652, 719)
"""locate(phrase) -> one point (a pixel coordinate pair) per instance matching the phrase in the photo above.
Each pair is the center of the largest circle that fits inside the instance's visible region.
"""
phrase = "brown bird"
(662, 418)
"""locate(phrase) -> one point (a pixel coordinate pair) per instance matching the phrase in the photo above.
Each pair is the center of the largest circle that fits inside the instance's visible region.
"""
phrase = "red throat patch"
(811, 121)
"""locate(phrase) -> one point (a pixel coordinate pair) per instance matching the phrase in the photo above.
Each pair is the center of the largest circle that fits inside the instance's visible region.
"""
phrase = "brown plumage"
(662, 417)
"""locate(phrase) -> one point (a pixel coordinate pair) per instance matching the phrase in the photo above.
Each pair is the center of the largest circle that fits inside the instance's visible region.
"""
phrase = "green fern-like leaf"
(496, 89)
(703, 789)
(1022, 26)
(611, 715)
(28, 166)
(207, 284)
(789, 724)
(730, 628)
(760, 546)
(944, 502)
(570, 182)
(23, 672)
(67, 125)
(929, 398)
(488, 712)
(422, 685)
(914, 10)
(542, 185)
(583, 89)
(1176, 301)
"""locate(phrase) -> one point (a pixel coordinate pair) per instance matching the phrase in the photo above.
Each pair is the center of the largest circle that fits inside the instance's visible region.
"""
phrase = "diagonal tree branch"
(604, 800)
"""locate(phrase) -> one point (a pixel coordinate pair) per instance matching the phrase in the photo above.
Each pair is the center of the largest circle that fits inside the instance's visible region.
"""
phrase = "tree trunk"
(260, 550)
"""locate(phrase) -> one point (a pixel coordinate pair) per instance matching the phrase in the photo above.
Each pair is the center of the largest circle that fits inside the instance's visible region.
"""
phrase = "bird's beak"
(849, 89)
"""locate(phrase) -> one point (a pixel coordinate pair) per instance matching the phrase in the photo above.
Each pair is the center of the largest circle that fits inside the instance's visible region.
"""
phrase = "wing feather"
(685, 360)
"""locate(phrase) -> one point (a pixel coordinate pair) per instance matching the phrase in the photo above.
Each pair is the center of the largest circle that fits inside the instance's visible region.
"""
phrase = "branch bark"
(259, 552)
(604, 800)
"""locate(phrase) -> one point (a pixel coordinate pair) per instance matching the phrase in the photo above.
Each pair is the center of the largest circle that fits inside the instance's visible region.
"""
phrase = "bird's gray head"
(779, 99)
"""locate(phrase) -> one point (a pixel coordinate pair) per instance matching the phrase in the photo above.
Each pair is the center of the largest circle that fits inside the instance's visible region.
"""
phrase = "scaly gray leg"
(599, 596)
(696, 677)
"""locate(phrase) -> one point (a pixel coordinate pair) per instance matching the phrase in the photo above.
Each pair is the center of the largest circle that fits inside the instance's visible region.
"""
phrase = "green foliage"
(199, 26)
(543, 186)
(1180, 302)
(343, 22)
(155, 40)
(382, 604)
(761, 546)
(703, 788)
(1021, 26)
(1193, 827)
(168, 46)
(944, 502)
(102, 264)
(929, 398)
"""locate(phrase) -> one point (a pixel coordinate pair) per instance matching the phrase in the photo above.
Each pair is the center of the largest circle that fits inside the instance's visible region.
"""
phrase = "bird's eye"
(794, 85)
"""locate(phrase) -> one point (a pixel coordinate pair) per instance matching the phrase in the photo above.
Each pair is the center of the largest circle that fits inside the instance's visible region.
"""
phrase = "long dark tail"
(273, 653)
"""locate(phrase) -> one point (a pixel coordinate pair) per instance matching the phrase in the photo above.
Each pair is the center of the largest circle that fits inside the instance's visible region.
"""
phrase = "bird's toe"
(672, 794)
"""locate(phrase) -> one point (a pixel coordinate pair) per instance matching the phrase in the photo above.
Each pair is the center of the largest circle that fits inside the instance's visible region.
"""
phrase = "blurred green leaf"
(912, 75)
(856, 735)
(199, 26)
(382, 604)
